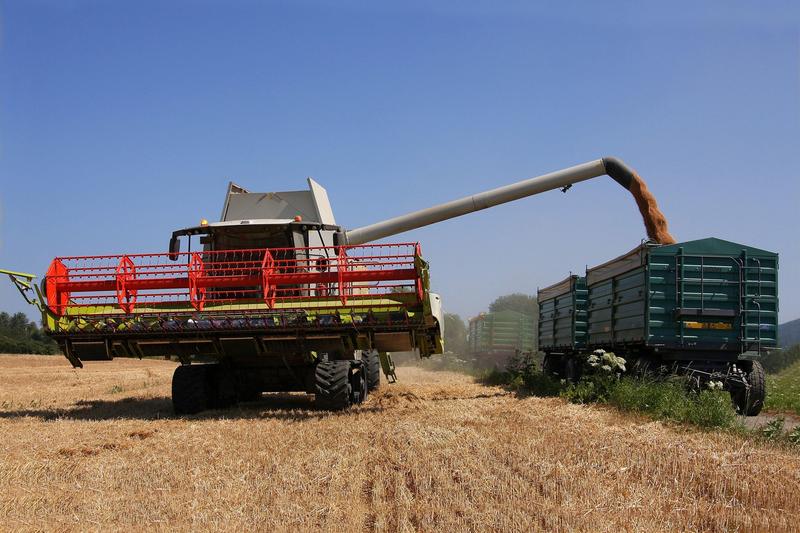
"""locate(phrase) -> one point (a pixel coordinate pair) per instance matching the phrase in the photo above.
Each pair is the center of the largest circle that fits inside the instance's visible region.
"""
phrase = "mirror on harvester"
(174, 248)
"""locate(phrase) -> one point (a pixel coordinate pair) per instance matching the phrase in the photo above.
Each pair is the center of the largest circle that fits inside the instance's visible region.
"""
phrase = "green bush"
(670, 399)
(711, 409)
(783, 390)
(794, 436)
(540, 384)
(519, 368)
(663, 400)
(591, 389)
(773, 430)
(777, 360)
(496, 377)
(11, 345)
(19, 335)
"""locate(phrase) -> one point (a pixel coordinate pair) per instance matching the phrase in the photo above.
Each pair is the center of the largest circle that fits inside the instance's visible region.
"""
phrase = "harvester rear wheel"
(372, 363)
(191, 389)
(332, 386)
(750, 400)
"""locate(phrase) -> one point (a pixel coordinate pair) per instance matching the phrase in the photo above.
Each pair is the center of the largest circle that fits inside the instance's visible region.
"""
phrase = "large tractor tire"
(750, 401)
(224, 388)
(192, 389)
(372, 364)
(332, 385)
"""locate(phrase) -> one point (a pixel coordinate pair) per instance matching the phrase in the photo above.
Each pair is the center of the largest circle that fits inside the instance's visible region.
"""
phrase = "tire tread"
(332, 385)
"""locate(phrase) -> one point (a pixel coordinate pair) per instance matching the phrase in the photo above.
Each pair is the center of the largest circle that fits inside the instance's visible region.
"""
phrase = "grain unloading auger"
(277, 297)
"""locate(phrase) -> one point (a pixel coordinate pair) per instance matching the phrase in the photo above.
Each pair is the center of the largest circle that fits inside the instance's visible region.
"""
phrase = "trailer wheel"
(372, 363)
(550, 365)
(332, 386)
(191, 390)
(750, 400)
(572, 369)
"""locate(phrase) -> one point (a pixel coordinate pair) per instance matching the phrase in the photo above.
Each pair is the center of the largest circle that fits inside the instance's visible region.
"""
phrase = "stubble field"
(99, 449)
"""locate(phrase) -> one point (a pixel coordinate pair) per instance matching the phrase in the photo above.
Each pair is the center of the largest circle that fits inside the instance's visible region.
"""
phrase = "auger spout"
(611, 166)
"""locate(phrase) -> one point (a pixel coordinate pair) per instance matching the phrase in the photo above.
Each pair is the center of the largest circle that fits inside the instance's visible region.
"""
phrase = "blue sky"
(122, 121)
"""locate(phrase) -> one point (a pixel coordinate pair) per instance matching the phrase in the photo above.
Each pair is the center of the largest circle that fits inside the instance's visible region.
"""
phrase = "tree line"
(777, 360)
(20, 335)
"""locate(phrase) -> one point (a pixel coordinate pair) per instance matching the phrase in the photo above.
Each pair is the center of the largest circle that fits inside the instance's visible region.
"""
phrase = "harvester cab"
(283, 220)
(274, 297)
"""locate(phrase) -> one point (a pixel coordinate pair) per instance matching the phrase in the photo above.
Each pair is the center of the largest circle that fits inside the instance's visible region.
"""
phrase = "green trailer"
(710, 298)
(707, 307)
(495, 337)
(562, 320)
(562, 315)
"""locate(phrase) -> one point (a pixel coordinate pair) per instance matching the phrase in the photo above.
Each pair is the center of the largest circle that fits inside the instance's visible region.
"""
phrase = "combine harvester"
(278, 297)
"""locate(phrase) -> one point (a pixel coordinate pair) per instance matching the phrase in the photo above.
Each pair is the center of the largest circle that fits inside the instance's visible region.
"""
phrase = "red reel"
(126, 271)
(267, 269)
(57, 299)
(418, 283)
(345, 287)
(197, 270)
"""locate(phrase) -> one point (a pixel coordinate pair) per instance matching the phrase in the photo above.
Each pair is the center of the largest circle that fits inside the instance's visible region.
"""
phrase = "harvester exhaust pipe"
(611, 166)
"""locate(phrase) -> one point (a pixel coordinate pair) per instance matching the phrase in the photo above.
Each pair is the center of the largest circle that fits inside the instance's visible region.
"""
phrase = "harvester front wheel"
(191, 389)
(332, 387)
(358, 384)
(222, 386)
(372, 363)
